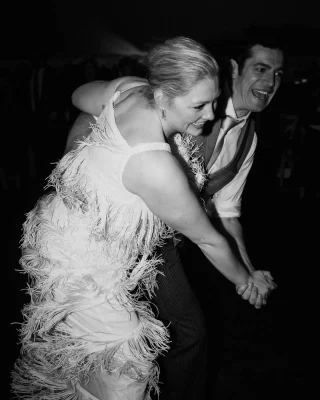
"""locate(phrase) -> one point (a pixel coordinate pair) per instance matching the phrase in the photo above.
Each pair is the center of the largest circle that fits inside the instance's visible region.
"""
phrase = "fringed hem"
(51, 367)
(55, 390)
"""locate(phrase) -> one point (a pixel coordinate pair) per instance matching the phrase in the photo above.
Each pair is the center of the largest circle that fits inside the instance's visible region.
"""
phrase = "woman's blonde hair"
(177, 65)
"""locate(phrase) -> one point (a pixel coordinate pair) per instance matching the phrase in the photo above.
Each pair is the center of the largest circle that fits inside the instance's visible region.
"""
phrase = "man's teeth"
(198, 123)
(261, 94)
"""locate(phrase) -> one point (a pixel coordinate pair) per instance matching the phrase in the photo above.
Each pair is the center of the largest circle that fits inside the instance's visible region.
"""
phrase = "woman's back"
(95, 170)
(136, 119)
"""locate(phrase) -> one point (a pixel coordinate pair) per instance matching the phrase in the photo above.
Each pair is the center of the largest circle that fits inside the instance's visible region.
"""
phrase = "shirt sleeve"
(227, 202)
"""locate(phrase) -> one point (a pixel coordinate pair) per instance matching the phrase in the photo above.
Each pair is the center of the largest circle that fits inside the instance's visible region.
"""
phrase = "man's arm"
(225, 208)
(79, 131)
(234, 229)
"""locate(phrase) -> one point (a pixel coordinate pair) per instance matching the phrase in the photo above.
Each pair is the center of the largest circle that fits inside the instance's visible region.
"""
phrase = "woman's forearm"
(222, 257)
(91, 97)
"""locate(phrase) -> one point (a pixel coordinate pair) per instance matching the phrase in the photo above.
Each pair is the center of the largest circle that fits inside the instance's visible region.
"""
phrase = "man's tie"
(227, 124)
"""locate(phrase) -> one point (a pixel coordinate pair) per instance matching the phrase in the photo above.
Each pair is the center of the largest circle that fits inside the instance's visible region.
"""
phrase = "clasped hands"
(257, 289)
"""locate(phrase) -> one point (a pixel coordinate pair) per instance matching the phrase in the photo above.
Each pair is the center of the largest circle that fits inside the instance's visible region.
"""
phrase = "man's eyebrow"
(261, 64)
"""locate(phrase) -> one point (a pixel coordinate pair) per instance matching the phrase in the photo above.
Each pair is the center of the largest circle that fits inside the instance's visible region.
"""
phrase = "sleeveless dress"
(88, 248)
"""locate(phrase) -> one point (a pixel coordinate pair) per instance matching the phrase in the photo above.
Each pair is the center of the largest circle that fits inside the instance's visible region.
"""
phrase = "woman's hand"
(257, 289)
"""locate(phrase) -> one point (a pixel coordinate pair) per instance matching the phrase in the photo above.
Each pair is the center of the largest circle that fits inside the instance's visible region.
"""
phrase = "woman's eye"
(199, 107)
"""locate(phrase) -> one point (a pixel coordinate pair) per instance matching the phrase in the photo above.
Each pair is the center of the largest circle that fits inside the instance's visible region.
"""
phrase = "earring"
(163, 114)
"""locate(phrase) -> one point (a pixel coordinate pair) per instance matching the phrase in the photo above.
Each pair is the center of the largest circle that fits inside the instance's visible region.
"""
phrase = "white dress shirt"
(227, 202)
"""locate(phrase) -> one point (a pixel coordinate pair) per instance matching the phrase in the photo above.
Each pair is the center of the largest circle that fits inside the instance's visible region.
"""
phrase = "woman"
(89, 245)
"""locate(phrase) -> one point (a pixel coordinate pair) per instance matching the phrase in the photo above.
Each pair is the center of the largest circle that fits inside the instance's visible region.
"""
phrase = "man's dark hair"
(242, 50)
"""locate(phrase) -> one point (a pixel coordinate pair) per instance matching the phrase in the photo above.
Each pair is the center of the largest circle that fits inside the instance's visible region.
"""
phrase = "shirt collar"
(230, 111)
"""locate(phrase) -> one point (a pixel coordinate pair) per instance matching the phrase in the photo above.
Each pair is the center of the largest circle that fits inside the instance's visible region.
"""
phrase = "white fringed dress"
(88, 250)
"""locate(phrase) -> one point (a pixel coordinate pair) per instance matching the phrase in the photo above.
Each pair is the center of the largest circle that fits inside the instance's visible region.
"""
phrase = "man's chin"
(259, 105)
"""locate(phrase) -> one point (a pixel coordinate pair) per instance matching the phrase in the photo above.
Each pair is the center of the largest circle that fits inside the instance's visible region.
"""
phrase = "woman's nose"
(209, 114)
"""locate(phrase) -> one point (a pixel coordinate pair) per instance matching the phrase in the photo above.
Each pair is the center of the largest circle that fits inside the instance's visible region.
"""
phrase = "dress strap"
(114, 97)
(117, 93)
(131, 86)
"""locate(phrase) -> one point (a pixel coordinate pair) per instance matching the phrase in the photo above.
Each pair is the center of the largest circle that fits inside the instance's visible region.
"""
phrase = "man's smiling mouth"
(261, 94)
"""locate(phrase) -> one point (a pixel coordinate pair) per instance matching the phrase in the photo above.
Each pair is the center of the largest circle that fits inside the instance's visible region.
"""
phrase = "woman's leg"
(115, 335)
(110, 386)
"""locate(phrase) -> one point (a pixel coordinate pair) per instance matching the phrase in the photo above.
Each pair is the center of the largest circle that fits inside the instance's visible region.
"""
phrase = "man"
(255, 79)
(228, 146)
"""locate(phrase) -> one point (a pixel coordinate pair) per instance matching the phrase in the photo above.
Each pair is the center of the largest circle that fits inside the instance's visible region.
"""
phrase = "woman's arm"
(92, 97)
(80, 130)
(158, 179)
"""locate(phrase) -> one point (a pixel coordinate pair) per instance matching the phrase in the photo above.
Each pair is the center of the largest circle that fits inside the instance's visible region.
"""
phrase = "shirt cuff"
(226, 209)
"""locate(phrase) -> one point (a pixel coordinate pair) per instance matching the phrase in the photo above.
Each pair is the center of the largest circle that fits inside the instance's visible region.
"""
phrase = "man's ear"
(235, 68)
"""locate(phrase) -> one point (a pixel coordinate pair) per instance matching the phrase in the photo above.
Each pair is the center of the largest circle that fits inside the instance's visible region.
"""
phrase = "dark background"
(73, 28)
(254, 354)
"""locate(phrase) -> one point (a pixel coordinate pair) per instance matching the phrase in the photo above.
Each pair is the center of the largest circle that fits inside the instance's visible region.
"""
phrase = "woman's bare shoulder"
(151, 170)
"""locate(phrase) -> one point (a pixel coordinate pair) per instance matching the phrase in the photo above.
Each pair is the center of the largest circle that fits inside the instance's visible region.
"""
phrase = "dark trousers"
(183, 367)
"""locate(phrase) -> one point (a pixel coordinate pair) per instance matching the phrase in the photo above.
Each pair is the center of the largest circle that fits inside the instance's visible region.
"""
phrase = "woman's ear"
(160, 99)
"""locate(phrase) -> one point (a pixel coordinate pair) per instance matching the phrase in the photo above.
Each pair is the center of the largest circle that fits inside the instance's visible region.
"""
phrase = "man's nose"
(270, 79)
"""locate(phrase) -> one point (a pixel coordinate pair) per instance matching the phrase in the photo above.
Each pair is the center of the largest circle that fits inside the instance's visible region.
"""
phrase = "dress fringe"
(120, 236)
(186, 150)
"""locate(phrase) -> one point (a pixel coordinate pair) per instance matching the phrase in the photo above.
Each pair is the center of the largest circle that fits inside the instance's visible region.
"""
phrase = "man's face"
(259, 80)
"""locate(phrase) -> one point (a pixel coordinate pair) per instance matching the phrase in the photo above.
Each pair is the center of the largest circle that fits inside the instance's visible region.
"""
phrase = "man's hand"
(258, 288)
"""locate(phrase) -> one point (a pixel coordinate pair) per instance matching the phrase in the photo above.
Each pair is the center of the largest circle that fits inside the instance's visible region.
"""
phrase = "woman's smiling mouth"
(199, 124)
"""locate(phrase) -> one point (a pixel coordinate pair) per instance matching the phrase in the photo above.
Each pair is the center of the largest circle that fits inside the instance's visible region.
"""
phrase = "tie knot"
(229, 123)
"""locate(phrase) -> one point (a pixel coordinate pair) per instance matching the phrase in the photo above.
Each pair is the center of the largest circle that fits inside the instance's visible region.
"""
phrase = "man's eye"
(279, 74)
(260, 69)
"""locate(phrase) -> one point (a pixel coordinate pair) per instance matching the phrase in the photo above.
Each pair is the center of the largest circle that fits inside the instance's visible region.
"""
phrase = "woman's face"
(188, 114)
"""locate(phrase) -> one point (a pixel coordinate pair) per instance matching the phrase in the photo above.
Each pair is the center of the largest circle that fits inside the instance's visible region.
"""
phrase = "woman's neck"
(167, 130)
